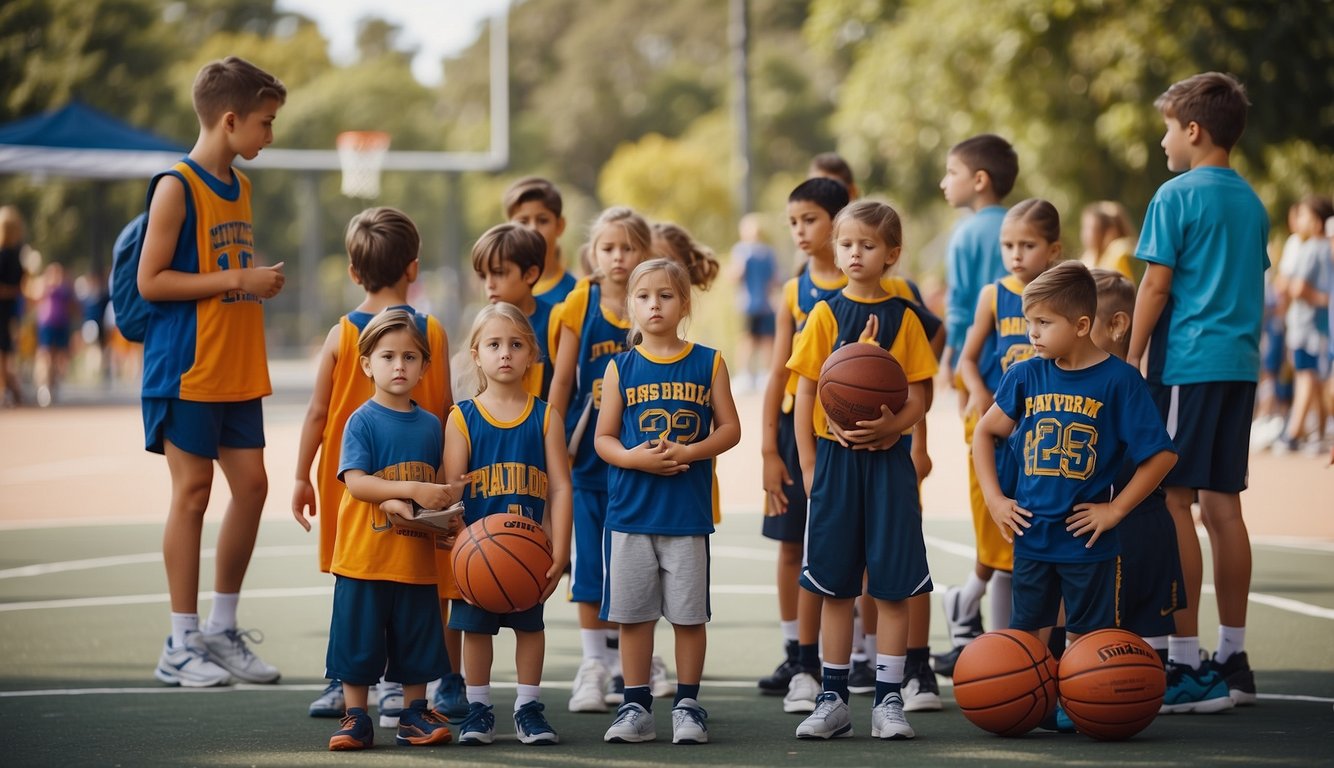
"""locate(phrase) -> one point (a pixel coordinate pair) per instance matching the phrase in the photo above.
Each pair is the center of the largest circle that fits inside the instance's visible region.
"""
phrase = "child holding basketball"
(865, 514)
(535, 203)
(508, 259)
(205, 369)
(386, 618)
(667, 413)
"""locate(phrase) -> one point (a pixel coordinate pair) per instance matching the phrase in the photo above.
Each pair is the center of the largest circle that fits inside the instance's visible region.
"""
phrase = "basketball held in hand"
(501, 563)
(856, 380)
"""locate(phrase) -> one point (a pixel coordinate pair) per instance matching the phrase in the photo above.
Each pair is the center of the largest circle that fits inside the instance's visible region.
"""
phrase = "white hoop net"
(361, 153)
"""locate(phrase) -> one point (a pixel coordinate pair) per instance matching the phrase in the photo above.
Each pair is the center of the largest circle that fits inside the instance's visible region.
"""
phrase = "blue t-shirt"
(1073, 429)
(394, 445)
(759, 271)
(972, 260)
(507, 461)
(1208, 226)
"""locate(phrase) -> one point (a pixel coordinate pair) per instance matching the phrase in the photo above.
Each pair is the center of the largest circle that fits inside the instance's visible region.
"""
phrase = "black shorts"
(1150, 587)
(385, 627)
(1210, 425)
(790, 526)
(1087, 589)
(761, 325)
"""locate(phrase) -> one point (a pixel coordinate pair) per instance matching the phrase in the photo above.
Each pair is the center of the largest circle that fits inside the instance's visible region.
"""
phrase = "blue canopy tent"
(77, 141)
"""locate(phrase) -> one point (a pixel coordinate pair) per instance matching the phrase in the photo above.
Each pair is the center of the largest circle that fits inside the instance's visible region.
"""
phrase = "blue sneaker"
(356, 732)
(479, 727)
(331, 702)
(421, 727)
(449, 699)
(1200, 690)
(531, 726)
(1059, 721)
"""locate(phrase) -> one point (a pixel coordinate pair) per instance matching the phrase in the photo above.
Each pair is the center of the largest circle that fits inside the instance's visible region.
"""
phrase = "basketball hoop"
(361, 154)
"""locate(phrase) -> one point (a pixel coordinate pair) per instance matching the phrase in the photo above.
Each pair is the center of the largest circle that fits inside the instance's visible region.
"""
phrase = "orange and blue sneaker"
(420, 726)
(356, 732)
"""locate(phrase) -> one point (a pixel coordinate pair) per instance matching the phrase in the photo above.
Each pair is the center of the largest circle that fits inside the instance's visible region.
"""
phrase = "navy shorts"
(763, 324)
(1210, 426)
(465, 617)
(202, 428)
(586, 566)
(385, 628)
(1087, 589)
(791, 525)
(864, 517)
(1149, 587)
(1271, 361)
(1305, 361)
(53, 336)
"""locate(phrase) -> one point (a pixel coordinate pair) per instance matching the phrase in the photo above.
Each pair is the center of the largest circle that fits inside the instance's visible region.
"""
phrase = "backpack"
(131, 309)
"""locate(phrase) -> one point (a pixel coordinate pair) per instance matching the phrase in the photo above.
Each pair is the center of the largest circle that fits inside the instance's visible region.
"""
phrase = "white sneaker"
(802, 691)
(390, 703)
(590, 686)
(228, 650)
(189, 664)
(689, 723)
(1264, 431)
(331, 703)
(887, 720)
(659, 685)
(633, 724)
(921, 692)
(830, 720)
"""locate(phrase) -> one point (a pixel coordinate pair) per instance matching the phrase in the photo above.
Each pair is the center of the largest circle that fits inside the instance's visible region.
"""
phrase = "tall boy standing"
(535, 203)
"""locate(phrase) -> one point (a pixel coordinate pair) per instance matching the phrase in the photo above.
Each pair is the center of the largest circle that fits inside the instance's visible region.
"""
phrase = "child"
(1201, 300)
(755, 272)
(508, 258)
(1108, 238)
(56, 310)
(382, 249)
(1030, 239)
(667, 413)
(979, 173)
(205, 367)
(386, 618)
(535, 203)
(593, 327)
(865, 515)
(831, 165)
(506, 424)
(1307, 325)
(672, 241)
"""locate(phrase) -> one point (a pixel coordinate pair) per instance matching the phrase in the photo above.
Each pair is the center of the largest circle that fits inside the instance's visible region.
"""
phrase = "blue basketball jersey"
(1010, 331)
(600, 339)
(810, 293)
(538, 380)
(507, 461)
(665, 399)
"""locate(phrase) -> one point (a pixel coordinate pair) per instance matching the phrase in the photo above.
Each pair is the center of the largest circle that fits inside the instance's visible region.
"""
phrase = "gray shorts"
(651, 577)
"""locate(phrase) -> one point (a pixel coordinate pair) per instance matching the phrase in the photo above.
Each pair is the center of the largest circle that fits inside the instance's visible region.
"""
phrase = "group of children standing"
(586, 389)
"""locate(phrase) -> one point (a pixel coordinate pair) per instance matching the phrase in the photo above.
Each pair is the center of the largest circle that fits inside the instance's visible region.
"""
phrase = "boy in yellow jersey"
(205, 366)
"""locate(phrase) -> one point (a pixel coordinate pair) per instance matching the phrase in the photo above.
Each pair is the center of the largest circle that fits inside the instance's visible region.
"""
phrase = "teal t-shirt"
(1208, 226)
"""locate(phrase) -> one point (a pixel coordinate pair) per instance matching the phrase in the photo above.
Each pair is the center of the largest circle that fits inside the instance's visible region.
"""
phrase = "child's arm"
(560, 503)
(375, 490)
(1154, 292)
(1300, 288)
(921, 460)
(1008, 516)
(776, 476)
(1102, 517)
(448, 377)
(984, 319)
(312, 430)
(159, 282)
(803, 420)
(562, 376)
(648, 456)
(726, 431)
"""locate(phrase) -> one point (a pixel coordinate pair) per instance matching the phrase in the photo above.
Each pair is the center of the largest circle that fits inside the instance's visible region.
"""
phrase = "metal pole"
(308, 296)
(739, 36)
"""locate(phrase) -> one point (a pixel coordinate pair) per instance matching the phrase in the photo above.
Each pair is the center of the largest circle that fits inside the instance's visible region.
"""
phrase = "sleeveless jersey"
(1010, 331)
(554, 290)
(537, 382)
(665, 398)
(601, 337)
(209, 350)
(507, 461)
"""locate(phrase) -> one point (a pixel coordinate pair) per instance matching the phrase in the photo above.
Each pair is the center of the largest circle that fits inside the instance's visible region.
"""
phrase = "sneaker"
(658, 683)
(479, 727)
(963, 621)
(690, 723)
(1200, 690)
(330, 703)
(802, 693)
(531, 726)
(776, 683)
(449, 699)
(887, 720)
(830, 720)
(615, 695)
(419, 726)
(189, 665)
(1058, 721)
(861, 678)
(1236, 672)
(355, 732)
(1264, 431)
(943, 663)
(228, 650)
(590, 685)
(390, 703)
(921, 692)
(632, 725)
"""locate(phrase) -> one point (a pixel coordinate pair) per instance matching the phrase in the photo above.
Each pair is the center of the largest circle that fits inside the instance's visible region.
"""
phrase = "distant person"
(1306, 324)
(1108, 239)
(535, 203)
(831, 165)
(56, 311)
(1274, 392)
(755, 271)
(673, 241)
(95, 301)
(12, 277)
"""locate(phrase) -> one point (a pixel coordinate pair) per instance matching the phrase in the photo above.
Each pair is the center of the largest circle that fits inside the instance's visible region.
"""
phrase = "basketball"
(501, 563)
(1112, 684)
(856, 380)
(1005, 682)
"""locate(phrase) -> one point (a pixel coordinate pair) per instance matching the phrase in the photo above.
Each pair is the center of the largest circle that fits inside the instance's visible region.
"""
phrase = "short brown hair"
(387, 322)
(1215, 101)
(1115, 293)
(878, 216)
(1067, 289)
(518, 245)
(381, 244)
(992, 154)
(698, 259)
(832, 165)
(531, 188)
(233, 85)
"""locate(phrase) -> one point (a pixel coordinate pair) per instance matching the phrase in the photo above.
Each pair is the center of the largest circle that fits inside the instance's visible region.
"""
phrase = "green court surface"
(82, 618)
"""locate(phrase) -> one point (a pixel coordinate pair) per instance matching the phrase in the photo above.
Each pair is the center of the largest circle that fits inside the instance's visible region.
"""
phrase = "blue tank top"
(599, 341)
(1010, 331)
(507, 461)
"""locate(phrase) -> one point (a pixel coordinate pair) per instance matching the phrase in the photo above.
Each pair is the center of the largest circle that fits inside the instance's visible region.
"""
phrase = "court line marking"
(140, 558)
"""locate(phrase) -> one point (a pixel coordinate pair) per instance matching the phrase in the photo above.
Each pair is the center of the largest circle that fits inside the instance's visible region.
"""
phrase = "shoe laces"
(238, 638)
(696, 713)
(589, 674)
(428, 716)
(479, 718)
(891, 708)
(825, 703)
(530, 718)
(349, 722)
(630, 714)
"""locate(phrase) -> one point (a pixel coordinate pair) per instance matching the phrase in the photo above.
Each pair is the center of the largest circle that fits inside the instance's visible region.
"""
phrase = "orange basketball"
(501, 563)
(1005, 682)
(856, 380)
(1112, 684)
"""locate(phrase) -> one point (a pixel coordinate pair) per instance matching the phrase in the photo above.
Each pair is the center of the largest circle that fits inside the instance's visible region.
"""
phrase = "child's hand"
(776, 479)
(303, 502)
(400, 508)
(434, 495)
(678, 452)
(1093, 518)
(870, 332)
(651, 456)
(977, 404)
(873, 435)
(559, 561)
(264, 282)
(921, 461)
(1011, 518)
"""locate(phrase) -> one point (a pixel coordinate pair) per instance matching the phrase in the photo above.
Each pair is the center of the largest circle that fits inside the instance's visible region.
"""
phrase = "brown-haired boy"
(535, 203)
(508, 258)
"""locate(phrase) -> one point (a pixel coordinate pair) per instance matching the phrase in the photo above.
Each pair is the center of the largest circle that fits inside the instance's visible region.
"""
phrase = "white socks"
(1231, 640)
(970, 596)
(526, 693)
(889, 669)
(1184, 650)
(1001, 600)
(478, 693)
(223, 615)
(180, 624)
(789, 630)
(594, 643)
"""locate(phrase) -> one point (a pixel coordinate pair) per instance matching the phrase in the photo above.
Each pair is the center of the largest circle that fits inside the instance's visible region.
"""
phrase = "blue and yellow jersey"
(665, 399)
(1009, 331)
(507, 461)
(1073, 431)
(210, 350)
(394, 445)
(554, 289)
(841, 320)
(602, 336)
(537, 381)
